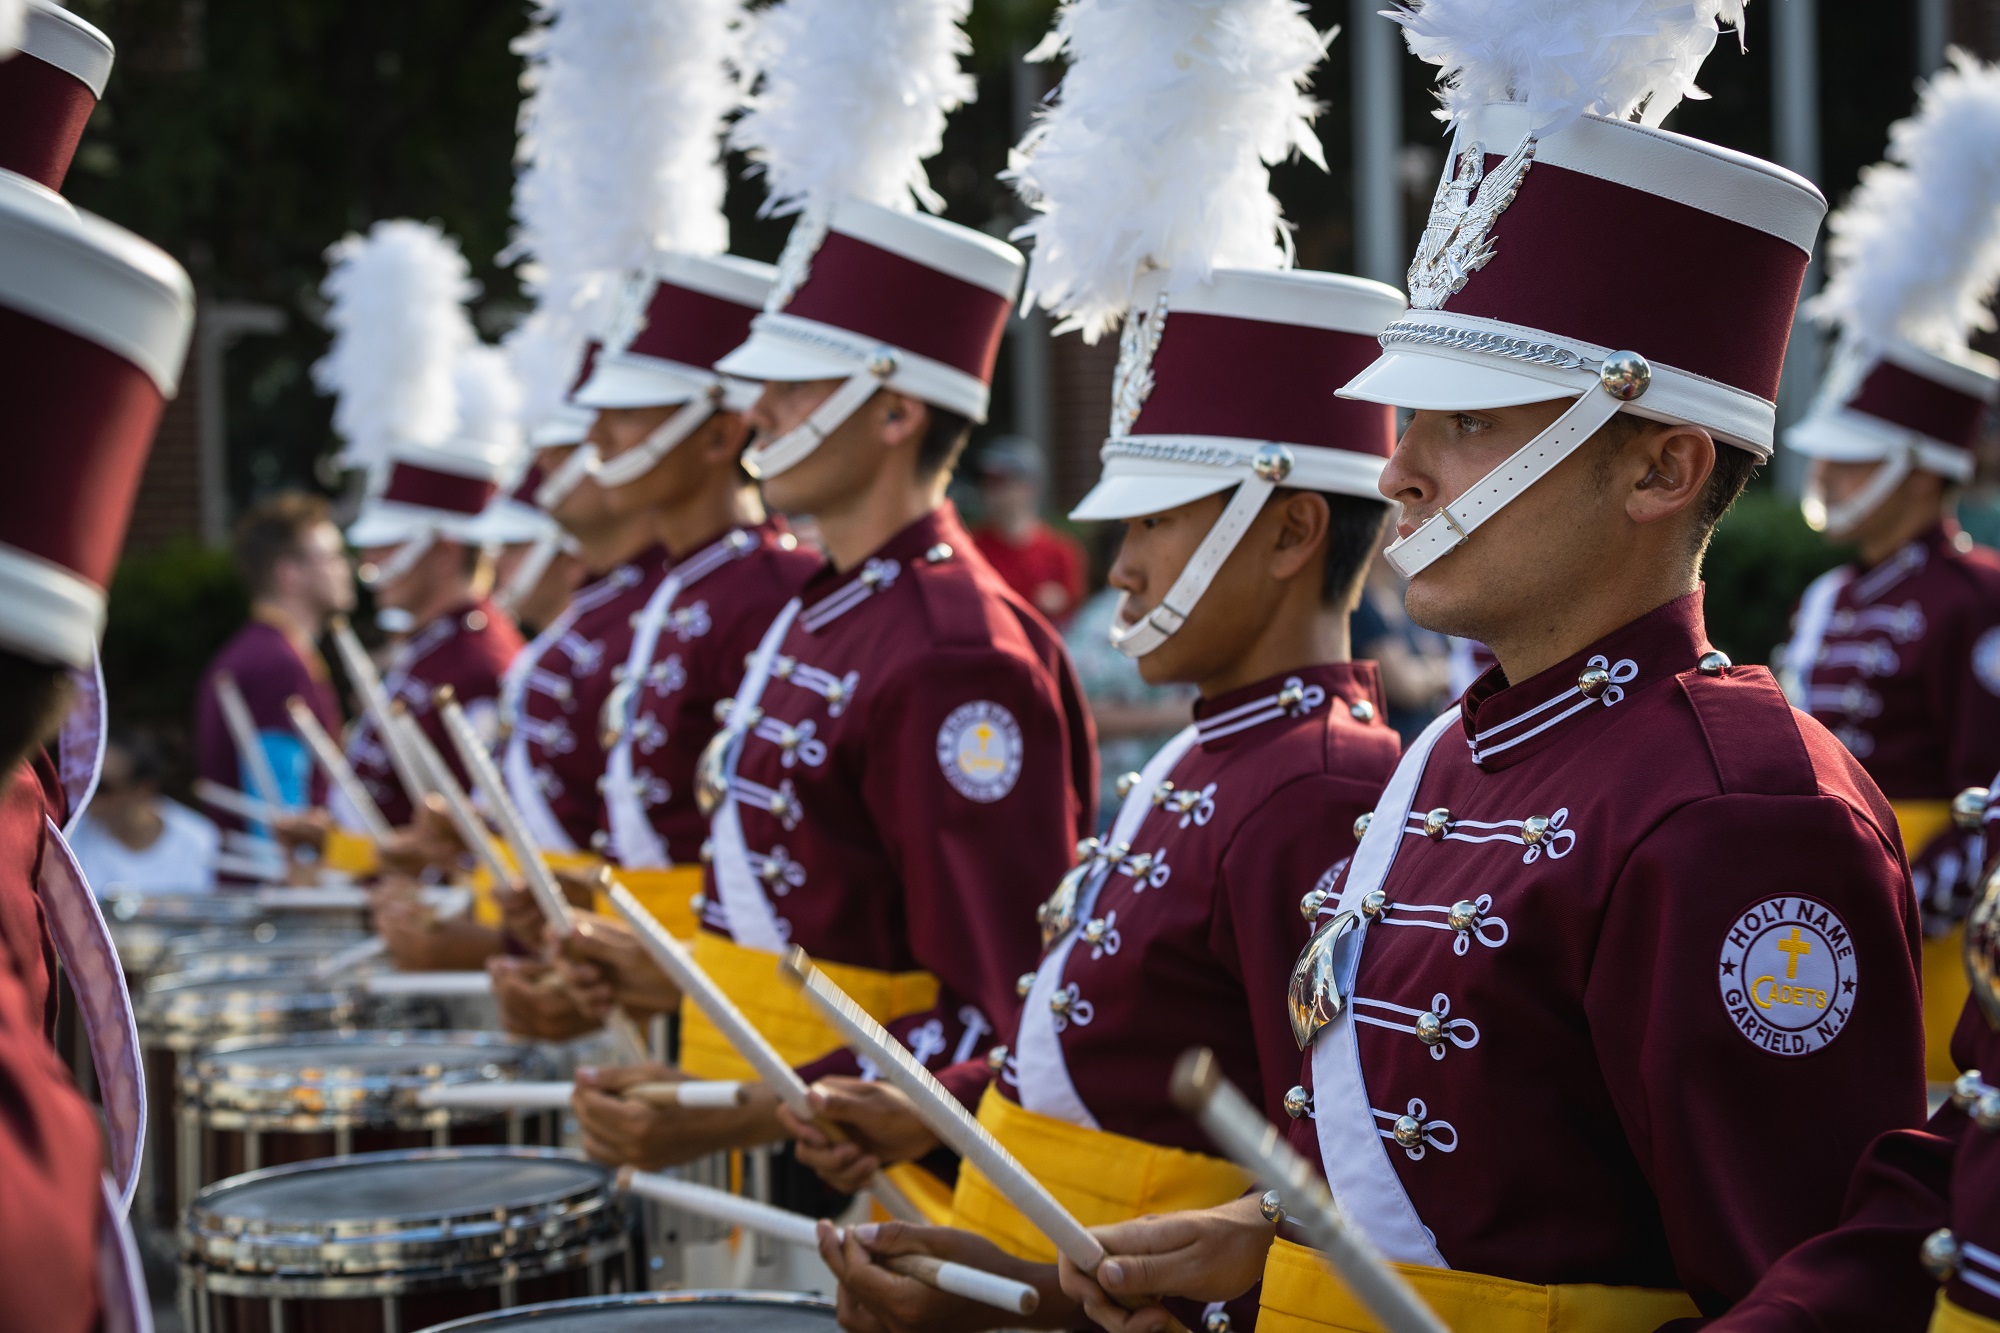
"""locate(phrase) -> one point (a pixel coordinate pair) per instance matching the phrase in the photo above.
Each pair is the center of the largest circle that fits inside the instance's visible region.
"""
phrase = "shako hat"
(1914, 259)
(1573, 252)
(1227, 357)
(48, 88)
(94, 327)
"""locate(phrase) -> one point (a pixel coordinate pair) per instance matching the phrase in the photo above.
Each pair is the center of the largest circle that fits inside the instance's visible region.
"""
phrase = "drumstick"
(500, 804)
(468, 982)
(794, 1229)
(338, 771)
(375, 703)
(233, 802)
(941, 1112)
(1242, 1132)
(256, 765)
(529, 1096)
(243, 867)
(465, 820)
(772, 1068)
(346, 960)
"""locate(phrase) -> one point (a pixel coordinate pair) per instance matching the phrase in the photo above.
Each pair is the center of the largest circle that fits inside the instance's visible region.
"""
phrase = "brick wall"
(169, 503)
(1079, 410)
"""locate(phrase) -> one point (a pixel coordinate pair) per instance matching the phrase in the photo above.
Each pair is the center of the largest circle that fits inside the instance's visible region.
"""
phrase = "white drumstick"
(778, 1075)
(338, 771)
(1253, 1143)
(244, 867)
(465, 821)
(233, 802)
(527, 1096)
(493, 790)
(428, 983)
(333, 898)
(943, 1114)
(375, 702)
(355, 955)
(256, 764)
(794, 1229)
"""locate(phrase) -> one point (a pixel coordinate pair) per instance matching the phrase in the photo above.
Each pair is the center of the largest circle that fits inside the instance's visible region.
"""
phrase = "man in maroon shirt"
(907, 763)
(1668, 902)
(293, 560)
(1041, 564)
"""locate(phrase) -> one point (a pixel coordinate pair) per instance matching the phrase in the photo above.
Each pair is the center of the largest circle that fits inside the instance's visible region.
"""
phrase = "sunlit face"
(620, 430)
(845, 462)
(586, 509)
(325, 575)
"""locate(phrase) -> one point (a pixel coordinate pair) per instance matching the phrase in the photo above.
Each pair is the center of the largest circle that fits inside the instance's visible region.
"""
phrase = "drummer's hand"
(419, 940)
(302, 828)
(875, 1298)
(633, 1133)
(521, 917)
(533, 1002)
(428, 840)
(607, 966)
(579, 887)
(876, 1119)
(1215, 1254)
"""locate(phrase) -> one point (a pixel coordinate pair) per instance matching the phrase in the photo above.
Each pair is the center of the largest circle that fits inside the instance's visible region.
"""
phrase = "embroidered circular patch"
(979, 749)
(1787, 975)
(1986, 660)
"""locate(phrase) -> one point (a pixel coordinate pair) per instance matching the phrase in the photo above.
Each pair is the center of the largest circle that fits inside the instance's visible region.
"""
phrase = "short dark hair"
(37, 695)
(275, 529)
(944, 440)
(1353, 531)
(1733, 470)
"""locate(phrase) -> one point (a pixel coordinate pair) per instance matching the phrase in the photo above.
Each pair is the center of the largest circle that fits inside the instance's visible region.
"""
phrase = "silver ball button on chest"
(1094, 930)
(1534, 828)
(1968, 808)
(1939, 1254)
(1059, 1002)
(1361, 824)
(1310, 904)
(1298, 1102)
(1430, 1029)
(1591, 681)
(1409, 1131)
(1374, 903)
(1464, 914)
(1361, 711)
(1125, 783)
(996, 1059)
(1023, 983)
(1437, 823)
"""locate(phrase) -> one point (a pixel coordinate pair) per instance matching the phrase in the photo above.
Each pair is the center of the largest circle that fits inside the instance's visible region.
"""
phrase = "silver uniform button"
(1362, 711)
(1059, 1002)
(1093, 930)
(1125, 783)
(1713, 663)
(1310, 904)
(1968, 808)
(1162, 792)
(1023, 983)
(1298, 1102)
(1590, 682)
(1437, 823)
(1217, 1321)
(1430, 1029)
(1361, 823)
(1374, 903)
(1464, 915)
(1409, 1131)
(938, 554)
(1939, 1254)
(996, 1058)
(1534, 828)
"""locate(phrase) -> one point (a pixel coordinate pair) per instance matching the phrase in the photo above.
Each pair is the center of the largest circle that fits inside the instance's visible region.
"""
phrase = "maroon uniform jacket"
(1666, 924)
(1191, 938)
(467, 648)
(728, 592)
(269, 669)
(1908, 677)
(555, 690)
(921, 770)
(31, 795)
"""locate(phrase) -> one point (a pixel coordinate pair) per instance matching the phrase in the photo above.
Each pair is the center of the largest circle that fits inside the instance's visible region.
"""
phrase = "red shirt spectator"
(1042, 565)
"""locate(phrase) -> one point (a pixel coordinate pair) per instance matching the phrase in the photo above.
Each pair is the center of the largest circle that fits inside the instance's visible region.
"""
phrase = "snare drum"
(144, 925)
(666, 1311)
(252, 1102)
(397, 1241)
(211, 952)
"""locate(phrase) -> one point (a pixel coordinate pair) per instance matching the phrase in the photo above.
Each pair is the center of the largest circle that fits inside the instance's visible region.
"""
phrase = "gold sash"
(667, 892)
(1945, 986)
(1950, 1318)
(1100, 1177)
(349, 853)
(750, 978)
(1302, 1296)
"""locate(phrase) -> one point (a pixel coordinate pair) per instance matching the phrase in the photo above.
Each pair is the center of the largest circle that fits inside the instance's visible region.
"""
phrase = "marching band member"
(1669, 903)
(1898, 653)
(907, 762)
(431, 413)
(95, 323)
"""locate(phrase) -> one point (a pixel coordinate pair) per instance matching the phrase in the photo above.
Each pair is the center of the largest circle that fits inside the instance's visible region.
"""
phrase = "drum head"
(390, 1191)
(336, 1056)
(668, 1311)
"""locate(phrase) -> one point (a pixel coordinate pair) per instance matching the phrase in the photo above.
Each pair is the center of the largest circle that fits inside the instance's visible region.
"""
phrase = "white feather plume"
(396, 308)
(1915, 251)
(1158, 148)
(13, 24)
(1564, 58)
(620, 154)
(489, 402)
(849, 97)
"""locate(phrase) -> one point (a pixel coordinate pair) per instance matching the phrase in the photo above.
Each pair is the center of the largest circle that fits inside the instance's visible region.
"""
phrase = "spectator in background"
(1041, 564)
(1415, 663)
(1133, 719)
(133, 838)
(295, 563)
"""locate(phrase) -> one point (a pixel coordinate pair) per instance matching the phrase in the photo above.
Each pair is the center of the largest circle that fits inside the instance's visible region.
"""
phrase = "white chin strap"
(1839, 521)
(568, 477)
(521, 583)
(1138, 637)
(1622, 377)
(643, 457)
(394, 620)
(398, 564)
(764, 461)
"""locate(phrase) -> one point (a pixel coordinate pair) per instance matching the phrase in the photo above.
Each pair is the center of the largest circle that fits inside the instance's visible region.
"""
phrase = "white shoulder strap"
(1809, 631)
(752, 923)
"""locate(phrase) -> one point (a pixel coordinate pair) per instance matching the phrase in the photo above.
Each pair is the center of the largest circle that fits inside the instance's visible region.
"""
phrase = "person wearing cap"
(1898, 651)
(1177, 927)
(907, 762)
(95, 324)
(534, 574)
(1674, 909)
(1041, 564)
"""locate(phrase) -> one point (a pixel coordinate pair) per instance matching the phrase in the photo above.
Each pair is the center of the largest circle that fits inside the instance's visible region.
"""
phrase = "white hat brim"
(616, 382)
(1824, 435)
(1134, 495)
(766, 359)
(508, 523)
(1425, 382)
(379, 527)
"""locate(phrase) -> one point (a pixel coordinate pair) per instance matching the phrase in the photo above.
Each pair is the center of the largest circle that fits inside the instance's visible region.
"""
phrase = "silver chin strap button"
(1625, 375)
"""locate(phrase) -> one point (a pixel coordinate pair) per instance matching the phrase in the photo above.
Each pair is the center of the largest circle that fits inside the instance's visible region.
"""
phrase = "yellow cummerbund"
(1950, 1318)
(931, 1196)
(749, 977)
(1302, 1296)
(350, 853)
(1945, 986)
(1101, 1178)
(487, 912)
(667, 892)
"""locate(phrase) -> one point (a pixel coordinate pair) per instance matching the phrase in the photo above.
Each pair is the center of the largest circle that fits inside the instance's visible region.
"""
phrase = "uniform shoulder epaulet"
(959, 608)
(1752, 734)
